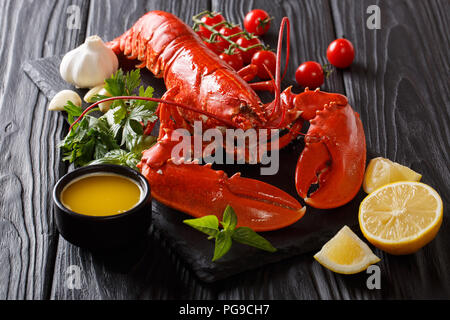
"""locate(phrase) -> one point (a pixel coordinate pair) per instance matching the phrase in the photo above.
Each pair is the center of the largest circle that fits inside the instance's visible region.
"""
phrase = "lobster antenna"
(206, 113)
(277, 103)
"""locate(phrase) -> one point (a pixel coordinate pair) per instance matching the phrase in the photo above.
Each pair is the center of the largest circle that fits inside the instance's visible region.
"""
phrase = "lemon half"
(381, 171)
(401, 217)
(346, 253)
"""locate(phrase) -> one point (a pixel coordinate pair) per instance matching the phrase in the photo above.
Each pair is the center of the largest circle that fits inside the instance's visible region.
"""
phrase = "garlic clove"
(90, 64)
(61, 98)
(104, 106)
(91, 93)
(100, 90)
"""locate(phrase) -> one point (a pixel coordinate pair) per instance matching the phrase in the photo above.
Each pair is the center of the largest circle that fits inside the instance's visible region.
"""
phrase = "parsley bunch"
(116, 137)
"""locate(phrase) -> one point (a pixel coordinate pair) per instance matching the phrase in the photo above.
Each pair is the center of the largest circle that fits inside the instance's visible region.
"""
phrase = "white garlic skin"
(61, 98)
(90, 64)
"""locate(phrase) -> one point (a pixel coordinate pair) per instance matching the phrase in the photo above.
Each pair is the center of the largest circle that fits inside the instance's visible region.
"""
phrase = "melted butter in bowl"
(101, 194)
(103, 207)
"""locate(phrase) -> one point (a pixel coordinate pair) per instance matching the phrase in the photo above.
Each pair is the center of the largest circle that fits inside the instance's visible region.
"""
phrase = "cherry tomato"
(204, 34)
(213, 46)
(229, 31)
(257, 22)
(268, 58)
(310, 74)
(221, 44)
(226, 31)
(234, 59)
(341, 53)
(210, 21)
(246, 42)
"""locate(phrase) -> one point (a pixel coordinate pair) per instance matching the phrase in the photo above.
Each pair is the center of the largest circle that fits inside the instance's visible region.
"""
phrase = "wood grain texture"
(29, 165)
(398, 83)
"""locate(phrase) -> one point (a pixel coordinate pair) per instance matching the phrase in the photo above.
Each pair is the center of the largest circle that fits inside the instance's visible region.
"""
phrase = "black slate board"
(307, 235)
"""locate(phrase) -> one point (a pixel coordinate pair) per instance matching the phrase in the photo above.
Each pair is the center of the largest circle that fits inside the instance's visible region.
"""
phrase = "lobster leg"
(248, 73)
(263, 86)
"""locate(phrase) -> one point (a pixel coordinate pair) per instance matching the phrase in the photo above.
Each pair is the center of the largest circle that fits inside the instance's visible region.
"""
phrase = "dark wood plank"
(399, 85)
(29, 160)
(150, 272)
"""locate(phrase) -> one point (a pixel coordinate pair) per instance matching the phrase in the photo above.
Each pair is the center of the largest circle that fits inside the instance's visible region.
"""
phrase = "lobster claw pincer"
(335, 151)
(198, 190)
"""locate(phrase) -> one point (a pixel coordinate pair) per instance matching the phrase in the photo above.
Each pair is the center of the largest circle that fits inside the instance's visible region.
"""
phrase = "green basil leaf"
(229, 219)
(223, 245)
(206, 224)
(249, 237)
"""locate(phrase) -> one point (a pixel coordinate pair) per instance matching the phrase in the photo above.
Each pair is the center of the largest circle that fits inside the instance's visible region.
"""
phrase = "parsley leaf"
(116, 137)
(72, 111)
(119, 157)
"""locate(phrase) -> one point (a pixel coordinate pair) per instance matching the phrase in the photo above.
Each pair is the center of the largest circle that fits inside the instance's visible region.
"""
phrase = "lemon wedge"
(346, 253)
(381, 171)
(401, 217)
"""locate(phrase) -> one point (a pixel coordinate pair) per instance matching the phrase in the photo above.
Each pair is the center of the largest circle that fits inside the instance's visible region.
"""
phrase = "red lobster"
(201, 87)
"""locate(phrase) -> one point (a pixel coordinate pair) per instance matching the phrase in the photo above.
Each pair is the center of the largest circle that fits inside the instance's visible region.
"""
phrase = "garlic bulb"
(100, 90)
(90, 64)
(61, 98)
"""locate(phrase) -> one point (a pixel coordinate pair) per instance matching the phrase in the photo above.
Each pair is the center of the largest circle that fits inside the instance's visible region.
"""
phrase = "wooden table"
(399, 84)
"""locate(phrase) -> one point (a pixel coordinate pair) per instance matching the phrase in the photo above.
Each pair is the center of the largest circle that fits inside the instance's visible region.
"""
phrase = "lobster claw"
(334, 154)
(198, 190)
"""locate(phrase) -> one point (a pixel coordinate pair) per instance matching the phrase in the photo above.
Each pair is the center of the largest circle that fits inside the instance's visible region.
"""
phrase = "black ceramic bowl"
(105, 232)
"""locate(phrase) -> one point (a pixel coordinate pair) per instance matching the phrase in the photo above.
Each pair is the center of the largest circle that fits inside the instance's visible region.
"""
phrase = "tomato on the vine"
(246, 42)
(267, 58)
(212, 45)
(210, 20)
(310, 74)
(226, 31)
(341, 53)
(203, 33)
(229, 31)
(257, 22)
(234, 59)
(221, 44)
